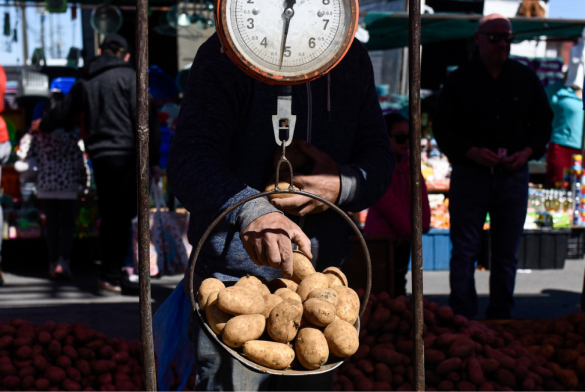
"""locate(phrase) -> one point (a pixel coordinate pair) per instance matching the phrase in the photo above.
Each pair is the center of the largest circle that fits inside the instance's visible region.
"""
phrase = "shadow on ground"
(36, 299)
(549, 304)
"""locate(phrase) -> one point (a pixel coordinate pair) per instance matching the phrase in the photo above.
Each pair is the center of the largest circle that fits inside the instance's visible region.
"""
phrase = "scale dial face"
(287, 41)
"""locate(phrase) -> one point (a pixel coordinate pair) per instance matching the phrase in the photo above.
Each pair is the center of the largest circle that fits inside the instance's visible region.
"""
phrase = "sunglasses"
(400, 139)
(494, 38)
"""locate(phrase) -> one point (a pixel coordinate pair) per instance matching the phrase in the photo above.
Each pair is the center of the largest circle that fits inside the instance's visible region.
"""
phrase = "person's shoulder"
(210, 53)
(356, 52)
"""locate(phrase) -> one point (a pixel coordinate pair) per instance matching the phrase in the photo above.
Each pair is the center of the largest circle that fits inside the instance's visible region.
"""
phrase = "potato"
(250, 282)
(216, 318)
(240, 300)
(265, 290)
(336, 277)
(270, 354)
(448, 366)
(342, 338)
(314, 281)
(318, 312)
(348, 305)
(327, 294)
(302, 267)
(287, 294)
(281, 283)
(284, 320)
(462, 348)
(242, 329)
(311, 348)
(281, 185)
(208, 286)
(271, 301)
(476, 375)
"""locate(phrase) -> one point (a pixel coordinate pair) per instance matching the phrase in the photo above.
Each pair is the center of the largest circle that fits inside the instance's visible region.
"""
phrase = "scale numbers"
(317, 31)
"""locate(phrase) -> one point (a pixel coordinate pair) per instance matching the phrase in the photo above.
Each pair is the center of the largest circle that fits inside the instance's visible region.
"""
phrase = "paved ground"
(37, 299)
(539, 294)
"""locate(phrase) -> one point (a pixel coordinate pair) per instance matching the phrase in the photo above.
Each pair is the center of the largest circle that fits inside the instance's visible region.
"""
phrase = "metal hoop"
(195, 254)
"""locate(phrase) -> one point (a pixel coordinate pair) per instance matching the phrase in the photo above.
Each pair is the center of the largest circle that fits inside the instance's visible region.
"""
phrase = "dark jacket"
(223, 147)
(475, 110)
(106, 95)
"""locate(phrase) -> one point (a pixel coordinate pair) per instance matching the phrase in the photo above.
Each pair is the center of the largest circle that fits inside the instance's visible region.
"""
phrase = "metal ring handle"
(194, 255)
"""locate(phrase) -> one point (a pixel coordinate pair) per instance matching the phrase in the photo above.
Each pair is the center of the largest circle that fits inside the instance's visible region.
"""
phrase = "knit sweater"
(222, 152)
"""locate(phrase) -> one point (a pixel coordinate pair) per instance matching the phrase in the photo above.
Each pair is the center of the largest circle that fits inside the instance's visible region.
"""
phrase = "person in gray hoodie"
(106, 95)
(222, 152)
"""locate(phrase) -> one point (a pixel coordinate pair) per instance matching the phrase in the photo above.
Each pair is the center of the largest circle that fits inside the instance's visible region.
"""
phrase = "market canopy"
(389, 30)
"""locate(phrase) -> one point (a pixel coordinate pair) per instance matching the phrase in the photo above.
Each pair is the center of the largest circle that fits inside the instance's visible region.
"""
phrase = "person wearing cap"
(106, 95)
(492, 117)
(566, 101)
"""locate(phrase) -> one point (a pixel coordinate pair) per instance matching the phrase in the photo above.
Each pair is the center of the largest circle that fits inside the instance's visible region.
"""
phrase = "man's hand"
(35, 125)
(483, 156)
(517, 160)
(323, 181)
(155, 173)
(268, 242)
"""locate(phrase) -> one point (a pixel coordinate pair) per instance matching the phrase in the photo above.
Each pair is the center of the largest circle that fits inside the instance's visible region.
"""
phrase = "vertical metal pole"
(415, 190)
(24, 36)
(143, 184)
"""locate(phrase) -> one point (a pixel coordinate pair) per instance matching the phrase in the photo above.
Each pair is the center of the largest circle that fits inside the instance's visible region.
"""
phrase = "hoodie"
(106, 95)
(223, 149)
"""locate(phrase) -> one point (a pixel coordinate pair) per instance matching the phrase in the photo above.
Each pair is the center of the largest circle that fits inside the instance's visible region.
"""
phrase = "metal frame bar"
(142, 133)
(414, 36)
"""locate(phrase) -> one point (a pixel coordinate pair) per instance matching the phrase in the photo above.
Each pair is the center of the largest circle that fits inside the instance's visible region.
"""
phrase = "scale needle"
(287, 14)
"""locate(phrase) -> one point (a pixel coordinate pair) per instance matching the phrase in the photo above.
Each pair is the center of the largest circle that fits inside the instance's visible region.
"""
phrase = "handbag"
(168, 254)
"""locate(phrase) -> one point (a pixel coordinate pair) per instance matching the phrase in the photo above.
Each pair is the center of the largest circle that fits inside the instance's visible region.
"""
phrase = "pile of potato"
(561, 342)
(63, 357)
(306, 318)
(460, 354)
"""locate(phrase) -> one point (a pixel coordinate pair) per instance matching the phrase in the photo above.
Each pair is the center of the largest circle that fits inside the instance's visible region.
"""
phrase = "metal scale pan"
(296, 369)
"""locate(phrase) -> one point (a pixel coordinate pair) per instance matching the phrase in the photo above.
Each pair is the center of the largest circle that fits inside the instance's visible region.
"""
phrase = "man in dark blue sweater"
(223, 151)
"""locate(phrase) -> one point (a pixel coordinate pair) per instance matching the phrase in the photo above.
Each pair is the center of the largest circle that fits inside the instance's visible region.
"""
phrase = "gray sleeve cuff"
(349, 184)
(253, 210)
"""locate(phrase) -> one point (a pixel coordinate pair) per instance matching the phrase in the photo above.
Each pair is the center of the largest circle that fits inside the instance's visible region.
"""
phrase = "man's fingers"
(490, 153)
(272, 250)
(304, 243)
(291, 203)
(251, 250)
(260, 252)
(286, 265)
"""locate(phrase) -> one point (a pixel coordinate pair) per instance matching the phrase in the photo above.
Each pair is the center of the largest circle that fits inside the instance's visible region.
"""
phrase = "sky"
(65, 31)
(568, 9)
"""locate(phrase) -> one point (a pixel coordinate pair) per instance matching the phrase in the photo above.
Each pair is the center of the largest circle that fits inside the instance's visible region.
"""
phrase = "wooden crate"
(382, 256)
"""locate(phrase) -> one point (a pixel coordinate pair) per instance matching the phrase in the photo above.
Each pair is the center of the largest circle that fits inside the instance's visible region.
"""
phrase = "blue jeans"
(473, 193)
(216, 370)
